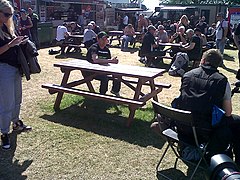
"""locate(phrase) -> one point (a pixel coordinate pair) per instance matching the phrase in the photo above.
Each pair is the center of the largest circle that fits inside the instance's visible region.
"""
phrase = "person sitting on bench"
(128, 36)
(99, 53)
(150, 47)
(89, 37)
(61, 38)
(193, 48)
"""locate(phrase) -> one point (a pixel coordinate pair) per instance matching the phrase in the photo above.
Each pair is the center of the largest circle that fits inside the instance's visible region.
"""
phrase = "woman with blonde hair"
(184, 22)
(10, 78)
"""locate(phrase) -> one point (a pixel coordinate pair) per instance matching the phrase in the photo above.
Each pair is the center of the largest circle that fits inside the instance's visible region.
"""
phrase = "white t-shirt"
(89, 34)
(219, 31)
(125, 20)
(61, 30)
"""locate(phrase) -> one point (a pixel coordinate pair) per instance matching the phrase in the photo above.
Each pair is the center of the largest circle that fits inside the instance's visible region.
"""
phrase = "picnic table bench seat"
(120, 100)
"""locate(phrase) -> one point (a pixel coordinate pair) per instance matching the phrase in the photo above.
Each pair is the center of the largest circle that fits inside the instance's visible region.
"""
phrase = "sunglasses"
(7, 15)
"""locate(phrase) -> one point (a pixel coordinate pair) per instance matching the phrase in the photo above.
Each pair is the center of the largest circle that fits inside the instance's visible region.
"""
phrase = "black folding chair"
(173, 141)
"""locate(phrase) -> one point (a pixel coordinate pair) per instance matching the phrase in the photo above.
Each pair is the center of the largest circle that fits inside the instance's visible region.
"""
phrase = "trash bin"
(45, 32)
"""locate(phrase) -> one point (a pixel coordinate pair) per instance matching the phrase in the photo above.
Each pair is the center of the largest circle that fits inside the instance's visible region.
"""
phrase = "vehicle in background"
(173, 13)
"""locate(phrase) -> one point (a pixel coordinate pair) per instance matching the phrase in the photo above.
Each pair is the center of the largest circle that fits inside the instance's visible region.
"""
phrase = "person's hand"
(115, 60)
(15, 41)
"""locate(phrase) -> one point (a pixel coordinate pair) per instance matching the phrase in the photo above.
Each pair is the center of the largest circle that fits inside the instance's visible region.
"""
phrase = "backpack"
(180, 64)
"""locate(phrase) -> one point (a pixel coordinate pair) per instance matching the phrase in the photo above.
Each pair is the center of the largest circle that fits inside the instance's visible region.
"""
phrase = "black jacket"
(27, 57)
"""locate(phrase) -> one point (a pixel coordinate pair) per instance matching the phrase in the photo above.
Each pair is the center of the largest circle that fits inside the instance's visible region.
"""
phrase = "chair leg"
(164, 153)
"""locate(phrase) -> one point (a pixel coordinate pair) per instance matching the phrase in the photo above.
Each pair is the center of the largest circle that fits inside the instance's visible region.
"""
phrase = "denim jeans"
(125, 41)
(10, 96)
(220, 45)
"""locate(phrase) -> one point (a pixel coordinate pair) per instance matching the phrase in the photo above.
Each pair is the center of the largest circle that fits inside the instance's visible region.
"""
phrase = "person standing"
(25, 24)
(125, 21)
(221, 32)
(10, 78)
(34, 29)
(99, 53)
(236, 37)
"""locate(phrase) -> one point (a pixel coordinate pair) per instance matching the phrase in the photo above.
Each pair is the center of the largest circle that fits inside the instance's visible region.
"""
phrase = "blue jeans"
(220, 45)
(10, 96)
(125, 41)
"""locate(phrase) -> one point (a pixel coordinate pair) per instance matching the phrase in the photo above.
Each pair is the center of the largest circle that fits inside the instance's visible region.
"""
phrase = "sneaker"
(19, 126)
(5, 141)
(115, 93)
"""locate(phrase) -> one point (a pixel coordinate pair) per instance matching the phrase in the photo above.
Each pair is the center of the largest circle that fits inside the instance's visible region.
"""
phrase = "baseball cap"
(102, 34)
(92, 22)
(23, 10)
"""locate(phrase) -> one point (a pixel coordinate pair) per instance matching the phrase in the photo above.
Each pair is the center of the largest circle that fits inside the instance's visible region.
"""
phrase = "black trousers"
(104, 84)
(228, 133)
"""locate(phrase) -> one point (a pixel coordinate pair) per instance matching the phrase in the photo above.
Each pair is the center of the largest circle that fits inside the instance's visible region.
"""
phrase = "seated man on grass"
(99, 53)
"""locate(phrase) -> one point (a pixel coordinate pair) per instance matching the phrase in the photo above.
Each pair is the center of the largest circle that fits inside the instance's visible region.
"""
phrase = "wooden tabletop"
(113, 69)
(170, 44)
(76, 35)
(111, 33)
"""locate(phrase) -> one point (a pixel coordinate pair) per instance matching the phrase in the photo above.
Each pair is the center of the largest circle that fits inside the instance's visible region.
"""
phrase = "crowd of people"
(26, 24)
(195, 37)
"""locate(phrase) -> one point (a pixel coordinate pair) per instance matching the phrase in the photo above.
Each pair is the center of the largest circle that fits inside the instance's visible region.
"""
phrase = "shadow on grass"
(229, 69)
(106, 119)
(10, 167)
(228, 58)
(175, 173)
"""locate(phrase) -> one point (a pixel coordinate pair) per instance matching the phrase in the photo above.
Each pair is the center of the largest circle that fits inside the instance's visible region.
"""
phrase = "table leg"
(60, 94)
(152, 85)
(132, 110)
(88, 78)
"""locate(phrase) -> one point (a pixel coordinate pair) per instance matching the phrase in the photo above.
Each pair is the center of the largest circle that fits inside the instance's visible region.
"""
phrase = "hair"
(190, 31)
(212, 57)
(161, 26)
(181, 27)
(9, 24)
(184, 17)
(151, 27)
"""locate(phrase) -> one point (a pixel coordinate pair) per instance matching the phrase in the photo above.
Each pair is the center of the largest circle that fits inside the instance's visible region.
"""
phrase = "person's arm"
(30, 23)
(183, 39)
(227, 107)
(227, 102)
(12, 43)
(188, 47)
(97, 60)
(225, 31)
(236, 36)
(236, 40)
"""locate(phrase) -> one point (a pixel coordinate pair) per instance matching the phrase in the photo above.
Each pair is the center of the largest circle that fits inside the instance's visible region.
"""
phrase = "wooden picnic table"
(134, 77)
(116, 35)
(74, 40)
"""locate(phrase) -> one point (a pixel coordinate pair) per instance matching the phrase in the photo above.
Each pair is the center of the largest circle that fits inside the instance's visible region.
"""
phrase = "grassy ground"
(88, 139)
